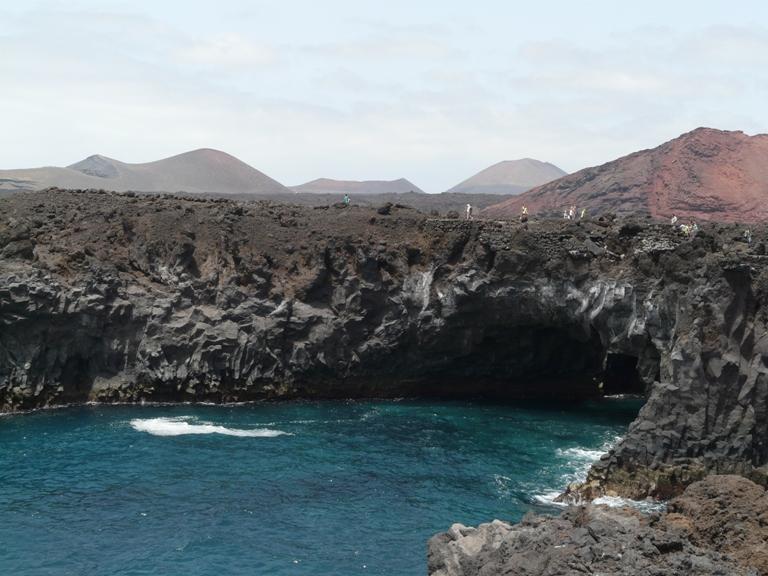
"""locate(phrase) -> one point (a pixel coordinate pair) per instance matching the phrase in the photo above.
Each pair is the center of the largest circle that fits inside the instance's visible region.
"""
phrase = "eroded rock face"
(728, 514)
(716, 527)
(107, 297)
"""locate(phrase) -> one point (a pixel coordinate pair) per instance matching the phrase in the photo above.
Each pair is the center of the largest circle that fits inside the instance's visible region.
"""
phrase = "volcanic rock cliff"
(718, 527)
(705, 174)
(113, 297)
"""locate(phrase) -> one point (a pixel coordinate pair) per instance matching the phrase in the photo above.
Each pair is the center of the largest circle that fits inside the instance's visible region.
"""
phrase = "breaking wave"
(582, 453)
(642, 505)
(548, 499)
(181, 427)
(579, 460)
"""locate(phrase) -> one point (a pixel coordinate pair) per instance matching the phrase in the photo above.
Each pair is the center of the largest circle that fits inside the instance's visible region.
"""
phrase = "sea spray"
(580, 460)
(180, 427)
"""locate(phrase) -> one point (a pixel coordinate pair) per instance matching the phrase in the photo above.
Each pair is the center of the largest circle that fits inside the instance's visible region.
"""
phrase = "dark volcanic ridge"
(705, 174)
(510, 177)
(434, 204)
(110, 297)
(120, 297)
(197, 172)
(717, 528)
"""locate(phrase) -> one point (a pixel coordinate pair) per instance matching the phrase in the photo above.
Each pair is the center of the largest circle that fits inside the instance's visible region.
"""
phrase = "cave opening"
(515, 363)
(74, 378)
(621, 375)
(550, 363)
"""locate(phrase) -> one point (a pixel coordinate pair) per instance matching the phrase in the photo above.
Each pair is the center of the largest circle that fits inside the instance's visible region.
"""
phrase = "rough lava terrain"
(111, 297)
(719, 526)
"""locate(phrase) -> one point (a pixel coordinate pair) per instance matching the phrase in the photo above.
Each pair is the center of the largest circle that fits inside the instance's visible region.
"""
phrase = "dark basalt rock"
(716, 527)
(131, 298)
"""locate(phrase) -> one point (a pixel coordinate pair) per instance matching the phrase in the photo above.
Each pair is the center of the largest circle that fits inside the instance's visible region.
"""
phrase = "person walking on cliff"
(469, 212)
(524, 214)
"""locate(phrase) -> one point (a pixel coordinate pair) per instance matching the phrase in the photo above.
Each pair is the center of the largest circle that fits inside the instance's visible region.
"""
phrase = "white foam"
(646, 506)
(582, 453)
(502, 484)
(180, 427)
(642, 505)
(579, 461)
(370, 414)
(548, 499)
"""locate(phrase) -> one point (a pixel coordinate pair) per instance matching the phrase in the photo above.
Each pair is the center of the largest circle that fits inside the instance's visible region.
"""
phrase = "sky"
(428, 90)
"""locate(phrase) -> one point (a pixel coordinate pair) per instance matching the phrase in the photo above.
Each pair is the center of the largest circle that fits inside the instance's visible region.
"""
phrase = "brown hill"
(510, 177)
(704, 174)
(199, 171)
(329, 186)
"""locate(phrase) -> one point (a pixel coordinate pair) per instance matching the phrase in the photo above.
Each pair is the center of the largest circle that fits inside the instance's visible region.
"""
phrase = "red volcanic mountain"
(706, 174)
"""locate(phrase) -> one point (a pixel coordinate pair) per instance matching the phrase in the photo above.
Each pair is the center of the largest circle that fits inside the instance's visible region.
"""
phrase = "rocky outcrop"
(717, 527)
(109, 297)
(705, 174)
(728, 514)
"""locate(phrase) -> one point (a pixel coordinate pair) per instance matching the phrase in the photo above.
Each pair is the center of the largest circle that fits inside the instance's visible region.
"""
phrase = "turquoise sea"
(327, 488)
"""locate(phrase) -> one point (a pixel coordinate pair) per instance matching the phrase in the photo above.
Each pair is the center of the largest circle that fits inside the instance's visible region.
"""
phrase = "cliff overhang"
(112, 297)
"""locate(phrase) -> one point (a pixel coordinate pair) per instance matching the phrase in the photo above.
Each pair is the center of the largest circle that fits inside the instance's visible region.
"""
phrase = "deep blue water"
(350, 488)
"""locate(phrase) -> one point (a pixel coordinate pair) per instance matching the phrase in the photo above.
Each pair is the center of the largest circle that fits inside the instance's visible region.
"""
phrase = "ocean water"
(329, 488)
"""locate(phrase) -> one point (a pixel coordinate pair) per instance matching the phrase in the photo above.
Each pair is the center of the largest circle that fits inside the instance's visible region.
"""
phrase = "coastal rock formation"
(728, 514)
(705, 174)
(717, 527)
(116, 297)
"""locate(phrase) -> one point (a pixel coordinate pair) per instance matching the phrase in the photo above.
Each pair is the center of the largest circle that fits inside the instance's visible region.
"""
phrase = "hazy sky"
(428, 90)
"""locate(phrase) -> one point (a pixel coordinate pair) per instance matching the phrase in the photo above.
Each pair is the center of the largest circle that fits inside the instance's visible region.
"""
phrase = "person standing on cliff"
(469, 212)
(674, 220)
(524, 214)
(346, 199)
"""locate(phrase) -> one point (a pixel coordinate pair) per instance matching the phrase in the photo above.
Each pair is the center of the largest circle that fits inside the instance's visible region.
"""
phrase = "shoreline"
(112, 298)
